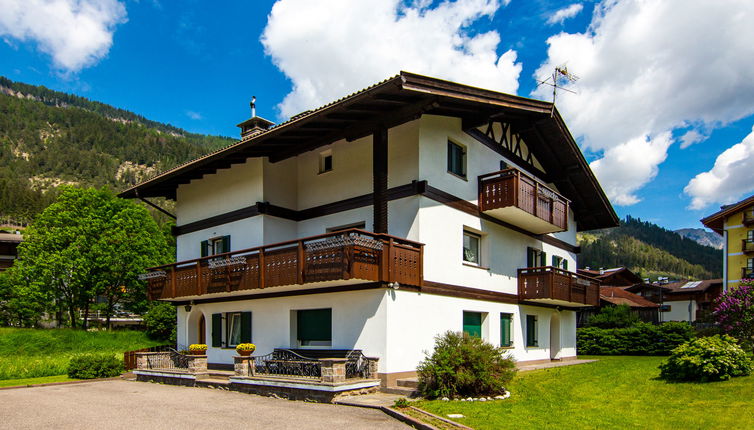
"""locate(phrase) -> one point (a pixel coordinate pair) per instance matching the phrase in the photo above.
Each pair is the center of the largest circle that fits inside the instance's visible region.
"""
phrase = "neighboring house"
(736, 224)
(684, 300)
(381, 220)
(614, 283)
(9, 249)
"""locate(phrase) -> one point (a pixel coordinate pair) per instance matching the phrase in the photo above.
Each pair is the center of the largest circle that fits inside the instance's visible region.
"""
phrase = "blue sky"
(646, 81)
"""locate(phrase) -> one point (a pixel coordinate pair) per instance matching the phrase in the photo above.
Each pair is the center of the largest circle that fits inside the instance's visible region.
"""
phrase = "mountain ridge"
(702, 237)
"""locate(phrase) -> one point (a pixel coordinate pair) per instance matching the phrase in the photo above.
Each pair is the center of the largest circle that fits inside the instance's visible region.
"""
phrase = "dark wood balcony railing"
(535, 207)
(747, 246)
(557, 286)
(343, 255)
(748, 219)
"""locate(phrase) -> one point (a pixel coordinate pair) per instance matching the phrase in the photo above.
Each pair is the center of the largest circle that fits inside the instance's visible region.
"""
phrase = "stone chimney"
(255, 125)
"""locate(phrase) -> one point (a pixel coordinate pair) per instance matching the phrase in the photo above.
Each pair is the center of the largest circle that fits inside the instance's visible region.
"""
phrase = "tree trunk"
(85, 323)
(110, 305)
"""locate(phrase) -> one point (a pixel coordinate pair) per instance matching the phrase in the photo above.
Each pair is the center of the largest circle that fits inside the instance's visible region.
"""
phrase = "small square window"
(325, 161)
(472, 323)
(471, 248)
(456, 159)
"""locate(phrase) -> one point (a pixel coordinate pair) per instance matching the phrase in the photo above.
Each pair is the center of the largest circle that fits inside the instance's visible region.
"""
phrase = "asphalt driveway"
(118, 404)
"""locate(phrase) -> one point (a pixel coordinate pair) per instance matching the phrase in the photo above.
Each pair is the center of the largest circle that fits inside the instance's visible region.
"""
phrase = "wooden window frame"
(326, 162)
(463, 174)
(478, 237)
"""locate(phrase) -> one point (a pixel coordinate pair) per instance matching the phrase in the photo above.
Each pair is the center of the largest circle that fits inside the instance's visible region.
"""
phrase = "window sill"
(458, 176)
(508, 347)
(476, 266)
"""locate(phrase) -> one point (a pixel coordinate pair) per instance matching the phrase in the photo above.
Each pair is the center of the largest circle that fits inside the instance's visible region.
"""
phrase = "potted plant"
(198, 349)
(245, 348)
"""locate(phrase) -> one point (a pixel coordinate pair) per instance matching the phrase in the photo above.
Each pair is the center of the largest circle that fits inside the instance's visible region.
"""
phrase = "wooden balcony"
(747, 246)
(516, 198)
(748, 218)
(557, 287)
(350, 255)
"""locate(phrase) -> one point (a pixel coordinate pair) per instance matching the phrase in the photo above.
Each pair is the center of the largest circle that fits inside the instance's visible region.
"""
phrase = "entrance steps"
(404, 387)
(215, 379)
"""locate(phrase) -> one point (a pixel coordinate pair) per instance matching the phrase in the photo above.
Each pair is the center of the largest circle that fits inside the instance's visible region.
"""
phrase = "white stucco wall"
(679, 311)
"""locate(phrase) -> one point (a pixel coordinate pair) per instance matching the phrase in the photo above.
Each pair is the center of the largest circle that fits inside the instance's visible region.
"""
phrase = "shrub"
(160, 321)
(639, 339)
(715, 358)
(461, 365)
(734, 312)
(614, 317)
(90, 366)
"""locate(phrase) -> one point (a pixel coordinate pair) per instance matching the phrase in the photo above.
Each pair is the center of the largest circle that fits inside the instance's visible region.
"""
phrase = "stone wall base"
(307, 395)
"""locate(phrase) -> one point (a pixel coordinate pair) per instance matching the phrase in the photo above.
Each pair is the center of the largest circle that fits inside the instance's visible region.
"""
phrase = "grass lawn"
(615, 392)
(33, 381)
(33, 353)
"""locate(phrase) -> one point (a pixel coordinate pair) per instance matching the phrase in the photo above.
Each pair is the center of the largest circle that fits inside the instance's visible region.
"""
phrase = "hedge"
(639, 339)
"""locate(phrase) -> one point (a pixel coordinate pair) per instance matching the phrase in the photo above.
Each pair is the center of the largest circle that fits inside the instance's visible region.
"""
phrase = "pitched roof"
(618, 276)
(692, 286)
(619, 296)
(716, 221)
(398, 100)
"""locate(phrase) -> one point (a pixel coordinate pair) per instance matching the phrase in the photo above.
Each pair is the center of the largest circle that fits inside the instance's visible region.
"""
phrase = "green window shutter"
(472, 324)
(226, 243)
(555, 262)
(217, 330)
(505, 329)
(531, 257)
(543, 259)
(245, 327)
(565, 264)
(314, 325)
(531, 330)
(205, 248)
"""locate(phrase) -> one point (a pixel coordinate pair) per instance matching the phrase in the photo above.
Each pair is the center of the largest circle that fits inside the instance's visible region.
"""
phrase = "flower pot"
(245, 353)
(199, 352)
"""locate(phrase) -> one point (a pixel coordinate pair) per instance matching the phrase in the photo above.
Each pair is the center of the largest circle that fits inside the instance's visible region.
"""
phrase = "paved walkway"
(128, 405)
(553, 364)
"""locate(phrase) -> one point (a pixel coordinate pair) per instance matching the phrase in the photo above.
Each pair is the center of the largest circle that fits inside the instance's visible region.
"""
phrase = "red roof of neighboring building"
(619, 296)
(692, 286)
(618, 276)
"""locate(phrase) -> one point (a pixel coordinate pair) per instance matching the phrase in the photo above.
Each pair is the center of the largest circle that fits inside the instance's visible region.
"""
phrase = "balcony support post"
(379, 177)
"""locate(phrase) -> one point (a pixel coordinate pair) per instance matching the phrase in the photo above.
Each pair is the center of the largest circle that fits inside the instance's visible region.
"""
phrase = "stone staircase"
(218, 379)
(404, 387)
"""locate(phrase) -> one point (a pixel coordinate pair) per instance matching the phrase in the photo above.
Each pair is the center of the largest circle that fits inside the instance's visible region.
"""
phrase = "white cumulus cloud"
(648, 68)
(330, 48)
(76, 33)
(561, 15)
(730, 179)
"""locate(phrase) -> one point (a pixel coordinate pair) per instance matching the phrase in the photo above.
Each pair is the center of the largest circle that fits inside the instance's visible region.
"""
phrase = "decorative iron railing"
(357, 365)
(167, 360)
(348, 254)
(284, 362)
(747, 246)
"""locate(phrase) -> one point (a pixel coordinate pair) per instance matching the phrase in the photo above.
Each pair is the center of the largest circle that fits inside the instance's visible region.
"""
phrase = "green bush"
(90, 366)
(715, 358)
(614, 317)
(461, 365)
(639, 339)
(160, 321)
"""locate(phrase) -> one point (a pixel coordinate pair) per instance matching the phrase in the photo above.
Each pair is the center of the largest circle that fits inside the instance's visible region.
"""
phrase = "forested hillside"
(650, 250)
(48, 138)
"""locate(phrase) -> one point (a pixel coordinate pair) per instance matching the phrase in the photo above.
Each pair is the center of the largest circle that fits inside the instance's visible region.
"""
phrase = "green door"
(472, 324)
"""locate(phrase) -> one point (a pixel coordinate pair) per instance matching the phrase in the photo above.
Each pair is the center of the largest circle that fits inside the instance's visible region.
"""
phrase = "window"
(559, 262)
(314, 327)
(325, 161)
(472, 323)
(235, 330)
(535, 258)
(532, 332)
(506, 323)
(749, 270)
(471, 248)
(216, 245)
(750, 235)
(664, 308)
(456, 159)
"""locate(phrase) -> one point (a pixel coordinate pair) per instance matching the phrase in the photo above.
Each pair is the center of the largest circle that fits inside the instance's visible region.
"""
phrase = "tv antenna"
(559, 78)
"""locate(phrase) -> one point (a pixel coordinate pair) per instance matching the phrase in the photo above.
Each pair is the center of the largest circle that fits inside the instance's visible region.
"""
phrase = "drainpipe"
(725, 261)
